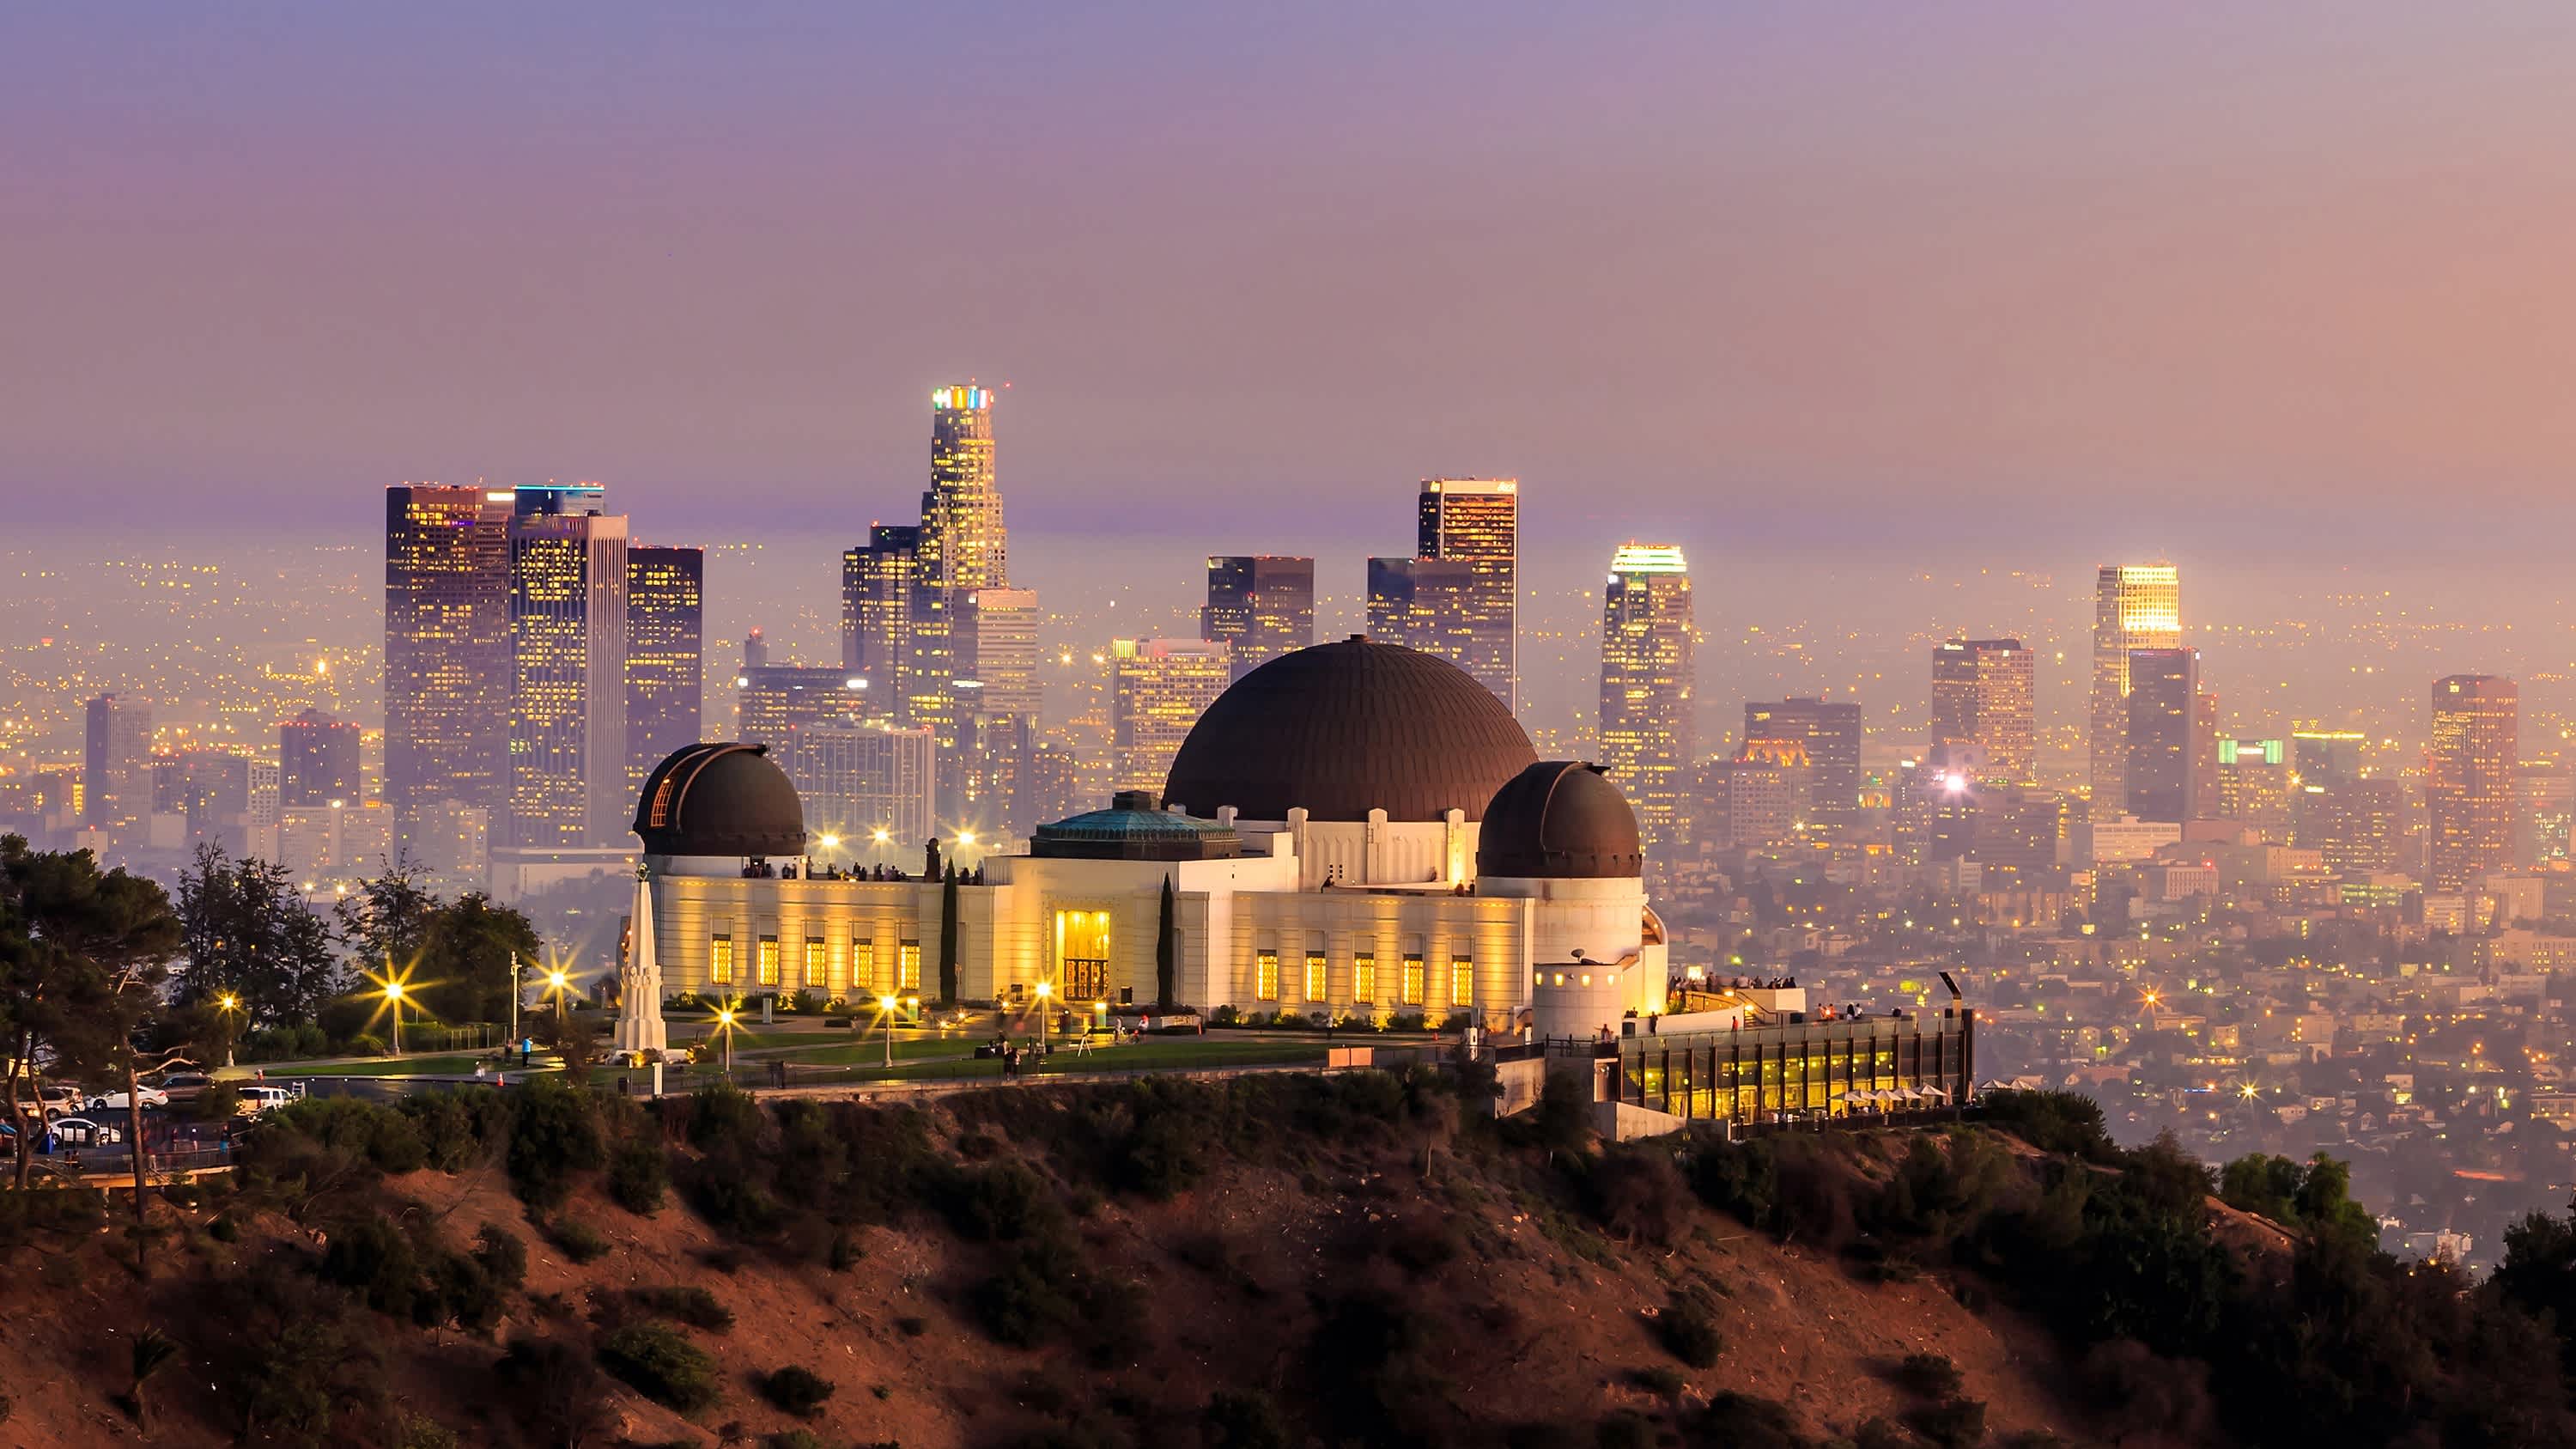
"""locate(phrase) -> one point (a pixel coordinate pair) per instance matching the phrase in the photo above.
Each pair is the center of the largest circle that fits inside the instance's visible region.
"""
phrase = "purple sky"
(1670, 263)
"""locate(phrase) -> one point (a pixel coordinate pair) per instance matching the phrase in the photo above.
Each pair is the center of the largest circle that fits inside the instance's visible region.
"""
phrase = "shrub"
(1247, 1420)
(798, 1391)
(1952, 1424)
(1004, 1203)
(461, 1291)
(554, 1135)
(554, 1391)
(1931, 1375)
(372, 1257)
(661, 1364)
(364, 1044)
(2053, 1121)
(455, 1126)
(1688, 1333)
(689, 1304)
(579, 1240)
(502, 1255)
(1636, 1194)
(217, 1103)
(224, 1229)
(638, 1175)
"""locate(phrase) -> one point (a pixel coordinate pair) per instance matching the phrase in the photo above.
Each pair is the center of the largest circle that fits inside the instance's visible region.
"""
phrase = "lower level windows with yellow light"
(720, 961)
(1265, 976)
(766, 967)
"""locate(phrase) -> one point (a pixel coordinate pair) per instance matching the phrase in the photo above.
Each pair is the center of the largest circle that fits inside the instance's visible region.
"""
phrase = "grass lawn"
(453, 1065)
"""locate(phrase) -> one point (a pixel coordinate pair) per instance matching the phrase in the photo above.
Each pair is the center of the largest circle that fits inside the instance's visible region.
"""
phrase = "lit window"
(720, 961)
(1265, 976)
(1462, 981)
(908, 967)
(1364, 977)
(1412, 979)
(767, 965)
(1587, 978)
(817, 960)
(863, 966)
(1316, 990)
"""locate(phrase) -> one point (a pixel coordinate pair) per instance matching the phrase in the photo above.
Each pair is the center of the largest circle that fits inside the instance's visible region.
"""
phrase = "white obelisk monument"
(639, 981)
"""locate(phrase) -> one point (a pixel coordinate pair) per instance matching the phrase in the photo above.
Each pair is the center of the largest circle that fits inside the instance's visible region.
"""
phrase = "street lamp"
(225, 1006)
(394, 999)
(724, 1023)
(885, 1022)
(556, 981)
(1046, 989)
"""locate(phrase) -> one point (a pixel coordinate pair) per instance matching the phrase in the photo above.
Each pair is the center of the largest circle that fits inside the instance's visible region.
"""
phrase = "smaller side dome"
(722, 799)
(1560, 820)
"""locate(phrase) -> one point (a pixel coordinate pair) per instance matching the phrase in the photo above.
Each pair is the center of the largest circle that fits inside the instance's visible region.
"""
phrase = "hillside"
(1262, 1263)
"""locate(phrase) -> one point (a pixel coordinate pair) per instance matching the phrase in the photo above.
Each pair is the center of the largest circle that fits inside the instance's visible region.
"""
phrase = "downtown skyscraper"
(317, 758)
(2164, 712)
(666, 654)
(2135, 606)
(1648, 698)
(1260, 606)
(2469, 784)
(929, 620)
(1982, 695)
(568, 767)
(447, 651)
(1477, 522)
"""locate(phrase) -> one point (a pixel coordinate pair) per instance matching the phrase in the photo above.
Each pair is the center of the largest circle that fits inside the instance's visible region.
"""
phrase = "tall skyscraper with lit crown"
(2469, 785)
(1648, 691)
(2135, 606)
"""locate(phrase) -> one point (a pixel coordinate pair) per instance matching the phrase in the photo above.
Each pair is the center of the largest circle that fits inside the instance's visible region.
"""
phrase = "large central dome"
(1342, 729)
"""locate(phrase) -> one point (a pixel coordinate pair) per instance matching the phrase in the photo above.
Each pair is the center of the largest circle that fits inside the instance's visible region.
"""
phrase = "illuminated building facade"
(1983, 695)
(568, 780)
(1423, 603)
(317, 761)
(876, 603)
(2547, 804)
(666, 659)
(2469, 788)
(1380, 845)
(962, 543)
(1260, 606)
(447, 649)
(871, 788)
(2326, 757)
(2163, 718)
(1648, 692)
(1830, 731)
(2254, 785)
(2356, 826)
(1761, 797)
(773, 702)
(1476, 521)
(1158, 690)
(2135, 606)
(116, 762)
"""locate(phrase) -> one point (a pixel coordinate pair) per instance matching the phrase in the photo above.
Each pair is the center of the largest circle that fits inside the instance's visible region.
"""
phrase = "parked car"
(153, 1099)
(255, 1100)
(82, 1132)
(186, 1082)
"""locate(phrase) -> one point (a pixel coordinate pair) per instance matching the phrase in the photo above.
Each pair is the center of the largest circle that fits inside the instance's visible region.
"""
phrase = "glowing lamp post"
(724, 1024)
(1046, 990)
(225, 1006)
(394, 1000)
(885, 1022)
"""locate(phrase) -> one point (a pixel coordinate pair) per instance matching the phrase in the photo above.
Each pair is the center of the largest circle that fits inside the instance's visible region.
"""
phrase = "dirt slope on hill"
(1515, 1308)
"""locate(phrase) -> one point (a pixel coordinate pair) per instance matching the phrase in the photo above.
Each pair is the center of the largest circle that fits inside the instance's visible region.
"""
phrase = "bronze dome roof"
(720, 799)
(1341, 729)
(1560, 820)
